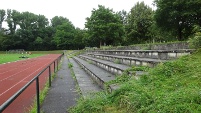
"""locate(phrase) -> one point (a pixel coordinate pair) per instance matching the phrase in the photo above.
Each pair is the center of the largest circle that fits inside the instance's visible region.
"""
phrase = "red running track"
(13, 76)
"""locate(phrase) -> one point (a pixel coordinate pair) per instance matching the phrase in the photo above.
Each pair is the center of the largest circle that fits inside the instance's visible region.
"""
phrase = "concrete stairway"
(103, 66)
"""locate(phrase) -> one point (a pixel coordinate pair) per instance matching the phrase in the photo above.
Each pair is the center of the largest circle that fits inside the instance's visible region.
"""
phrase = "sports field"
(4, 58)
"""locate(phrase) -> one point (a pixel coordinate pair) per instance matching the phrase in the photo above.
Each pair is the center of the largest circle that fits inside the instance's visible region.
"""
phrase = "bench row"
(105, 65)
(155, 54)
(128, 60)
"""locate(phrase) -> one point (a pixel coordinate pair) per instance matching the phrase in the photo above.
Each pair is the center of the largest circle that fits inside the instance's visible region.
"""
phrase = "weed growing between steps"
(139, 68)
(125, 77)
(170, 87)
(117, 61)
(71, 53)
(89, 61)
(119, 79)
(70, 65)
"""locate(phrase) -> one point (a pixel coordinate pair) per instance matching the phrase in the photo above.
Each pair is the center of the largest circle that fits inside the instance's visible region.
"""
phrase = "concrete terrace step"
(154, 54)
(110, 66)
(107, 65)
(97, 74)
(128, 60)
(85, 82)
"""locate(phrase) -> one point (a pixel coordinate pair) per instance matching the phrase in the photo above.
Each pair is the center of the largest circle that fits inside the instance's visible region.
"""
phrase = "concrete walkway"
(62, 94)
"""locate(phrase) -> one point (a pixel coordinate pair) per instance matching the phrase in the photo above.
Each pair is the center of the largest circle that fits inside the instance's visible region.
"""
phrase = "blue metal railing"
(12, 98)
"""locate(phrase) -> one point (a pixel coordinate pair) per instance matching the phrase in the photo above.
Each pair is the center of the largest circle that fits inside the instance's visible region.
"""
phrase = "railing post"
(57, 65)
(54, 67)
(50, 76)
(37, 95)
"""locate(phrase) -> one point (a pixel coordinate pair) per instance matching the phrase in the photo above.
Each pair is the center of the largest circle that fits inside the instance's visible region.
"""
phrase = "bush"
(195, 42)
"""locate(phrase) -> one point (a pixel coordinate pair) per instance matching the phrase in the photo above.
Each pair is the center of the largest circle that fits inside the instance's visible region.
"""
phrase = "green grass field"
(48, 52)
(14, 57)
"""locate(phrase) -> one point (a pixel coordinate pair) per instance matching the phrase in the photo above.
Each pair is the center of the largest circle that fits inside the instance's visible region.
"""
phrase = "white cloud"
(75, 10)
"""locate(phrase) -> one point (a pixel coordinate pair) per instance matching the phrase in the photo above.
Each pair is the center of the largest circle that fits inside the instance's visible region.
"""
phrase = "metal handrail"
(12, 98)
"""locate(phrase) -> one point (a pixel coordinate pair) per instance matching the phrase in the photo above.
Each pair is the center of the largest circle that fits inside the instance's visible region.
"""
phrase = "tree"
(78, 39)
(55, 22)
(13, 19)
(2, 17)
(28, 21)
(64, 36)
(104, 26)
(42, 21)
(38, 43)
(58, 20)
(178, 16)
(123, 16)
(140, 19)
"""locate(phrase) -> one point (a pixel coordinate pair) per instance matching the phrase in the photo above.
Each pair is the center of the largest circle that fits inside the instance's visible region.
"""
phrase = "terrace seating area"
(105, 65)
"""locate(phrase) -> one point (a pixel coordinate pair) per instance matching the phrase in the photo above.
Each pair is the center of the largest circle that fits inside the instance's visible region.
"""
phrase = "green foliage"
(2, 17)
(29, 31)
(79, 39)
(58, 20)
(90, 105)
(123, 16)
(13, 18)
(73, 53)
(47, 52)
(104, 27)
(14, 57)
(64, 36)
(3, 41)
(178, 17)
(195, 42)
(70, 65)
(170, 87)
(160, 36)
(31, 26)
(139, 68)
(119, 79)
(117, 61)
(139, 21)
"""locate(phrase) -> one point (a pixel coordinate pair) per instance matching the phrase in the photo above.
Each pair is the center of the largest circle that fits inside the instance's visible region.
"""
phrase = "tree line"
(173, 20)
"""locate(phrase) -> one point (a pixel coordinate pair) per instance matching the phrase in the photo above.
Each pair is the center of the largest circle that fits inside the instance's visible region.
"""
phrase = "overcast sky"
(75, 10)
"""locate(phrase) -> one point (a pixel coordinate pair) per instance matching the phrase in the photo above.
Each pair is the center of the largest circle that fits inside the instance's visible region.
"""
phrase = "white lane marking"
(16, 73)
(17, 68)
(21, 81)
